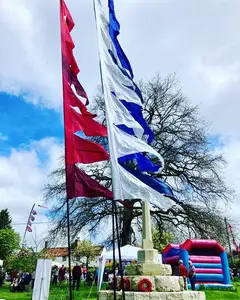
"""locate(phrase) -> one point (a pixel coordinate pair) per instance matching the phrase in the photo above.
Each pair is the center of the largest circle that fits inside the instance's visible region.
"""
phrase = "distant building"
(60, 256)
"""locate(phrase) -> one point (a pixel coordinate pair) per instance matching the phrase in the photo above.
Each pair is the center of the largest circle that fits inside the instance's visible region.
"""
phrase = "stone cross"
(146, 226)
(148, 262)
(147, 256)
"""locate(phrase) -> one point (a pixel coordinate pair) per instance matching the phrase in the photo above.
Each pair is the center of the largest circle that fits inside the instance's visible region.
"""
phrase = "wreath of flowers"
(125, 284)
(114, 282)
(145, 285)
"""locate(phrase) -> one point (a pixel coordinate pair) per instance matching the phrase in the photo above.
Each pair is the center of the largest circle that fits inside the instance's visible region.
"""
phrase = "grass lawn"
(60, 293)
(56, 293)
(224, 295)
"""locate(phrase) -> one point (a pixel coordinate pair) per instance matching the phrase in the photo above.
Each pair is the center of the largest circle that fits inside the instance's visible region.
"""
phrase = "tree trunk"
(126, 233)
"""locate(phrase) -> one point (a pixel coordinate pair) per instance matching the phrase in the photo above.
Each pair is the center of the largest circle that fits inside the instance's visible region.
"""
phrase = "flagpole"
(69, 251)
(27, 225)
(229, 243)
(66, 170)
(114, 258)
(233, 240)
(119, 250)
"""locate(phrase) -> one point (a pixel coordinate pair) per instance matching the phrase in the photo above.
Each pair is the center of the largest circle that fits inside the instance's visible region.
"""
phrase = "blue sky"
(31, 139)
(23, 122)
(199, 41)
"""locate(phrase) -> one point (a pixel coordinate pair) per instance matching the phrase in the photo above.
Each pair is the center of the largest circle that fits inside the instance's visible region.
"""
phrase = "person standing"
(192, 275)
(61, 274)
(14, 274)
(96, 273)
(84, 270)
(33, 279)
(55, 275)
(2, 276)
(76, 273)
(183, 272)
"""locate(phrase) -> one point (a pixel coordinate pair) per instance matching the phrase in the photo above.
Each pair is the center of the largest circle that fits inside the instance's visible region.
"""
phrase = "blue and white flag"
(129, 135)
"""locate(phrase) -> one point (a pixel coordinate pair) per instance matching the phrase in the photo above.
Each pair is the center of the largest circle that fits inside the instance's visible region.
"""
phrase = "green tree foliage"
(25, 260)
(5, 219)
(9, 241)
(86, 250)
(161, 239)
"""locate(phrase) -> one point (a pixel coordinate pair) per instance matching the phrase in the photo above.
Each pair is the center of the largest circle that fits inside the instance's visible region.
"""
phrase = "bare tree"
(192, 169)
(36, 240)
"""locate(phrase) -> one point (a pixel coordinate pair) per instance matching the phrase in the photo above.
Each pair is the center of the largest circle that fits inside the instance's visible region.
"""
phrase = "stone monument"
(149, 279)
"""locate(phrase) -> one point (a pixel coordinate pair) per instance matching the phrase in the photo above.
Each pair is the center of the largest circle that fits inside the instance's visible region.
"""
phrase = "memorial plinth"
(108, 295)
(159, 284)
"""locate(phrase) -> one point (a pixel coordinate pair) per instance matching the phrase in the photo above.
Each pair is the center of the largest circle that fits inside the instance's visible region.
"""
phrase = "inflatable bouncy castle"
(208, 257)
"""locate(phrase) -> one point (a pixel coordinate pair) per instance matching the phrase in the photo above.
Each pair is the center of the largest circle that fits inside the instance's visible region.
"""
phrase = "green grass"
(61, 293)
(56, 293)
(224, 295)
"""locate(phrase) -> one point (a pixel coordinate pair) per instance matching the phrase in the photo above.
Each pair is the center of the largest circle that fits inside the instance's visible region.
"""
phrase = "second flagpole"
(66, 170)
(24, 236)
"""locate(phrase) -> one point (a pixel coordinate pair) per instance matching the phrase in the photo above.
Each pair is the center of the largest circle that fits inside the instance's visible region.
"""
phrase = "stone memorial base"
(159, 283)
(150, 269)
(163, 288)
(186, 295)
(149, 279)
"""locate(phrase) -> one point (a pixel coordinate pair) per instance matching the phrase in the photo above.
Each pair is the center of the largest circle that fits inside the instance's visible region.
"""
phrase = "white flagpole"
(112, 146)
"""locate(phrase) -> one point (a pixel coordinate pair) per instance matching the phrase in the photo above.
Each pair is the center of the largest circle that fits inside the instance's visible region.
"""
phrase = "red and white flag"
(32, 218)
(29, 229)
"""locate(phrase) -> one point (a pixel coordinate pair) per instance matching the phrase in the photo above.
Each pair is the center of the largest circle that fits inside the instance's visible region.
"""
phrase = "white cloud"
(231, 151)
(199, 40)
(22, 177)
(30, 62)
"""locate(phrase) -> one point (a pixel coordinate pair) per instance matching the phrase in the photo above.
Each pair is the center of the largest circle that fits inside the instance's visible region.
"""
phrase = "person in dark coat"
(55, 275)
(61, 274)
(76, 273)
(2, 276)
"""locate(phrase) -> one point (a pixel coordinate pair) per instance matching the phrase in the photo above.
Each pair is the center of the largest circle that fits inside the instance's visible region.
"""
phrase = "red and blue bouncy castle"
(208, 257)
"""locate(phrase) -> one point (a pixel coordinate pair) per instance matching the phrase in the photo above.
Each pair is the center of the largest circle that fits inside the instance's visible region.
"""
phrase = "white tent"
(58, 264)
(128, 253)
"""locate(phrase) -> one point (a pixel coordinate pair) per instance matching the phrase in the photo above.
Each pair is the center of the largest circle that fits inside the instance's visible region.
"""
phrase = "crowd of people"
(81, 273)
(19, 281)
(24, 281)
(59, 275)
